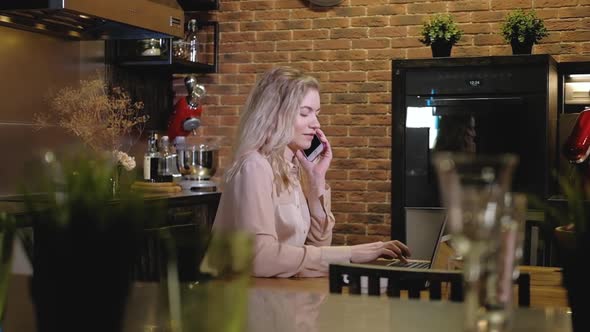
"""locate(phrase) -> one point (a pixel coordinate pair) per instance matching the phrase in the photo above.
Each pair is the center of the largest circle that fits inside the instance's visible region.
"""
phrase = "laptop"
(425, 229)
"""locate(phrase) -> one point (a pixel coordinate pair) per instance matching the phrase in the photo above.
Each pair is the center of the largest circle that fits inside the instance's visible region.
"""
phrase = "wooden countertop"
(546, 287)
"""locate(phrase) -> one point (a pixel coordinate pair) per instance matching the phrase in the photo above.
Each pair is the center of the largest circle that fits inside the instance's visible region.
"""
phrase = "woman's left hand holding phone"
(316, 171)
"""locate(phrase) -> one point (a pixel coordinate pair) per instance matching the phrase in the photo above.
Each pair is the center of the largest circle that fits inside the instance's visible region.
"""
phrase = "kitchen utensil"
(197, 162)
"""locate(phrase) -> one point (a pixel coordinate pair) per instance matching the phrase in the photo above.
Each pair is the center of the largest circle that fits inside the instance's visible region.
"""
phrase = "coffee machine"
(197, 156)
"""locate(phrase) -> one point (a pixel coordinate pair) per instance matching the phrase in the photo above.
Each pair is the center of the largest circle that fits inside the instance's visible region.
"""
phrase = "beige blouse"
(289, 240)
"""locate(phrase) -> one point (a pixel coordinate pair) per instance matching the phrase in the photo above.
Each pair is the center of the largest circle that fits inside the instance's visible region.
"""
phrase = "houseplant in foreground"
(522, 29)
(85, 243)
(441, 33)
(569, 216)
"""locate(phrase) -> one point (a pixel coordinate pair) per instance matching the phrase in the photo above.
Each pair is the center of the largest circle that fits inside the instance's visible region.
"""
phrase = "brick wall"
(349, 48)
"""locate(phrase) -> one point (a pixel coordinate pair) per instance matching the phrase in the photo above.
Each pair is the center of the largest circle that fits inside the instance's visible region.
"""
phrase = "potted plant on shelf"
(522, 29)
(441, 32)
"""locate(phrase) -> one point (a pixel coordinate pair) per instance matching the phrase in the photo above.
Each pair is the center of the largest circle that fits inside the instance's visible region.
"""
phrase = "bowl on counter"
(197, 162)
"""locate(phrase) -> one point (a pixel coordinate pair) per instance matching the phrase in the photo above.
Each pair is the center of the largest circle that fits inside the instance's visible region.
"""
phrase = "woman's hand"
(316, 171)
(363, 253)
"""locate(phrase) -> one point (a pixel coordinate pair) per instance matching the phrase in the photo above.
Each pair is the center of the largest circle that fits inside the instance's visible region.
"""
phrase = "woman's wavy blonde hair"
(266, 123)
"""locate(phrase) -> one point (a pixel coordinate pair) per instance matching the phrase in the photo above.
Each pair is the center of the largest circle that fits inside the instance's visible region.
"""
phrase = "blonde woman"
(272, 191)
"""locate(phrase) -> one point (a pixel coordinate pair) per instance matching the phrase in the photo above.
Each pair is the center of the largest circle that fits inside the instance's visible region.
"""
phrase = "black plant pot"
(82, 277)
(441, 49)
(521, 48)
(575, 280)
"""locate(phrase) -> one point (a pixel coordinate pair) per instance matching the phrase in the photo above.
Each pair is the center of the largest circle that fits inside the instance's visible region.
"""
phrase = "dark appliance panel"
(503, 105)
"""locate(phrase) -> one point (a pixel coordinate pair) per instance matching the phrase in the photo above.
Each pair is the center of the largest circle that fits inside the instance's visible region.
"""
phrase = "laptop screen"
(425, 227)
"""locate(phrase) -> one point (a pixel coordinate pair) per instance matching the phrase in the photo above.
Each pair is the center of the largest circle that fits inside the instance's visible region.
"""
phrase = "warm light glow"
(84, 16)
(40, 26)
(586, 76)
(74, 34)
(579, 87)
(5, 19)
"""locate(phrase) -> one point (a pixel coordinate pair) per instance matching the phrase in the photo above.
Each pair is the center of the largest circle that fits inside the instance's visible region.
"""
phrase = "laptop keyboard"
(413, 265)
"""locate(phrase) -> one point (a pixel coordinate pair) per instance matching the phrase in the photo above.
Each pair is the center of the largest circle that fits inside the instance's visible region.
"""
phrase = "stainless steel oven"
(483, 105)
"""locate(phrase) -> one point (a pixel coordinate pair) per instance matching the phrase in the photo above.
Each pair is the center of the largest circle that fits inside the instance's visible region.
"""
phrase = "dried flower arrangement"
(101, 116)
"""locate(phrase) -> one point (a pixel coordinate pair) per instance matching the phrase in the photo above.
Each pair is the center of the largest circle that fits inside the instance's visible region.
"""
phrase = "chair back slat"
(435, 290)
(354, 282)
(374, 286)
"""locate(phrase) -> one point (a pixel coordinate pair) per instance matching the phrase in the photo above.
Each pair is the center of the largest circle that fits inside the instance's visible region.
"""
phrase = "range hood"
(95, 19)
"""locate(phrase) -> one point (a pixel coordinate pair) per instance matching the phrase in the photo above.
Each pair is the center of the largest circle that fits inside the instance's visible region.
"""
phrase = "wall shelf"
(125, 53)
(198, 5)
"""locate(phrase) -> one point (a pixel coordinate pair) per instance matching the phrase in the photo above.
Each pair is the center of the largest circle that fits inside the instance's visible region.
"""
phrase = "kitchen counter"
(14, 204)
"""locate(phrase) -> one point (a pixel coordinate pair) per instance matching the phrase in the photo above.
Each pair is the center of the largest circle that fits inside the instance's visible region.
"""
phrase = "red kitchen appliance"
(577, 146)
(196, 156)
(186, 117)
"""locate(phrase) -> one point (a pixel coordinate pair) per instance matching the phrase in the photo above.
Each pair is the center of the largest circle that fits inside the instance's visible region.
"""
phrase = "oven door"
(482, 124)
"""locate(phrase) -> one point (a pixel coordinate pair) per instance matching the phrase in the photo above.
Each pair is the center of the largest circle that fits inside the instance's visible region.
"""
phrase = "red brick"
(294, 45)
(371, 43)
(350, 228)
(256, 5)
(257, 26)
(272, 15)
(368, 197)
(369, 153)
(349, 164)
(348, 11)
(388, 9)
(310, 56)
(384, 230)
(380, 142)
(389, 32)
(427, 8)
(330, 23)
(348, 55)
(366, 218)
(332, 44)
(371, 65)
(468, 6)
(378, 21)
(331, 66)
(311, 34)
(293, 24)
(236, 37)
(273, 35)
(349, 33)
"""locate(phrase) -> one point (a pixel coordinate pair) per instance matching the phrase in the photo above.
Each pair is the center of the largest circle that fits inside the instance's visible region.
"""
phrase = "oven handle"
(472, 101)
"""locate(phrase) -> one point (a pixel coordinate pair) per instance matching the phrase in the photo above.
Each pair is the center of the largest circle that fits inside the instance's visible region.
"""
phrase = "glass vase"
(116, 180)
(473, 189)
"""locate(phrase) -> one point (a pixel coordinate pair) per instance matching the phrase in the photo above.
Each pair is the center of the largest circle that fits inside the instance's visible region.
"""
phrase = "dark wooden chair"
(412, 280)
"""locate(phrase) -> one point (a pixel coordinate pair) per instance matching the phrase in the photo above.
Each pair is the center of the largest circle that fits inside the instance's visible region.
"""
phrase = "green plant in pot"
(85, 243)
(568, 215)
(522, 29)
(440, 32)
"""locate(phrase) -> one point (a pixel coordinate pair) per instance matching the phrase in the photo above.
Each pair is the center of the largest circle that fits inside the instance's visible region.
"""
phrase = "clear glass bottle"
(151, 158)
(192, 41)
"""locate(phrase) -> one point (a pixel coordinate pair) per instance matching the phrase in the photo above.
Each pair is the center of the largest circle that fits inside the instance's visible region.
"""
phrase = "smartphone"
(316, 148)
